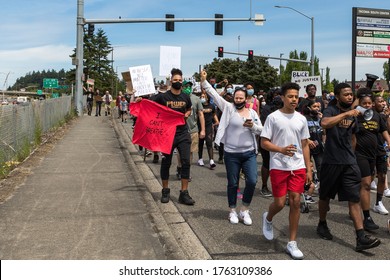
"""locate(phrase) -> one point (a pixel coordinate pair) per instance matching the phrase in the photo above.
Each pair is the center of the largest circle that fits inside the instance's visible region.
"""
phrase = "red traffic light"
(220, 51)
(250, 54)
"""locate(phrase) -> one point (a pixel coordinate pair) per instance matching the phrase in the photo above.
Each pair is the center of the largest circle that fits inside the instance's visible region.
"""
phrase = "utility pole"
(79, 58)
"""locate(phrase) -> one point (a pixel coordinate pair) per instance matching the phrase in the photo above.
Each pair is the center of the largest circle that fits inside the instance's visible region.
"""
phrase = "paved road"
(82, 201)
(94, 197)
(223, 241)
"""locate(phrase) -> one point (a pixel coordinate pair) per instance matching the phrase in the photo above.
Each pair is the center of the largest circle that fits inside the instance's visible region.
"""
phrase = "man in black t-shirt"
(311, 91)
(340, 173)
(180, 102)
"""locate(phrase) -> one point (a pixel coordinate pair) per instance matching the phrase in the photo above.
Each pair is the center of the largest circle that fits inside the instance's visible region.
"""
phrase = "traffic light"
(220, 51)
(218, 28)
(250, 54)
(91, 29)
(169, 25)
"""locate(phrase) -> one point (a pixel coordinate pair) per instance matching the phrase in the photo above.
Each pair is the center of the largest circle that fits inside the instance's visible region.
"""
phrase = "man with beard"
(340, 172)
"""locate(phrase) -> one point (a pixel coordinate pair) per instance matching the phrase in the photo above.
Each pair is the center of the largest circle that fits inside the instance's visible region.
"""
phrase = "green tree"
(257, 71)
(328, 85)
(298, 66)
(97, 64)
(386, 71)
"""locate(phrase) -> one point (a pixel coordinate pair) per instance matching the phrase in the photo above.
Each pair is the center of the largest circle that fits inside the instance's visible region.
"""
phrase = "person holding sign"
(178, 101)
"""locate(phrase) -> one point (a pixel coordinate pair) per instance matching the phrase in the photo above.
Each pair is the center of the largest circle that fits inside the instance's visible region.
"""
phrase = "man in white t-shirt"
(285, 135)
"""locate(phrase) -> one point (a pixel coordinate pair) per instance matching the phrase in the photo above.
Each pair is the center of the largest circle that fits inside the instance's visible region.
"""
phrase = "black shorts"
(381, 164)
(366, 166)
(341, 179)
(265, 156)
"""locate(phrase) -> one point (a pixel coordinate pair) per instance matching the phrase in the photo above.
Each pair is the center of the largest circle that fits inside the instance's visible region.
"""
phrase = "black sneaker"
(369, 224)
(324, 232)
(165, 194)
(366, 242)
(155, 159)
(185, 198)
(265, 192)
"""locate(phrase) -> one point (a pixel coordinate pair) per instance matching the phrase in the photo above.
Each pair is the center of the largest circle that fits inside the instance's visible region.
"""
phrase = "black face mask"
(177, 85)
(239, 105)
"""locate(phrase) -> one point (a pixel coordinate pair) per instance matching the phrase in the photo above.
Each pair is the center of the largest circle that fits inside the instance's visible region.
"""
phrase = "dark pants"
(183, 144)
(209, 143)
(234, 163)
(98, 107)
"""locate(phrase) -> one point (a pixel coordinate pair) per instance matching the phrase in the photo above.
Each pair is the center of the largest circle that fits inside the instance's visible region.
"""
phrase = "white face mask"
(263, 103)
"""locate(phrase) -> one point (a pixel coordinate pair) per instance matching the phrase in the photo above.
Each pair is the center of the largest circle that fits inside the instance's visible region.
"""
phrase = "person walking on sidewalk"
(176, 100)
(340, 172)
(285, 135)
(107, 103)
(237, 129)
(98, 101)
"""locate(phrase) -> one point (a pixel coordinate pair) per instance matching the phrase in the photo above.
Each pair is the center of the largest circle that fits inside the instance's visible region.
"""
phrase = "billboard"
(371, 32)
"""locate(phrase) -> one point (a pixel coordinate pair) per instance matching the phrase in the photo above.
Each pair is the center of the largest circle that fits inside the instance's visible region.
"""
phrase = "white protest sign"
(305, 81)
(142, 80)
(299, 74)
(170, 57)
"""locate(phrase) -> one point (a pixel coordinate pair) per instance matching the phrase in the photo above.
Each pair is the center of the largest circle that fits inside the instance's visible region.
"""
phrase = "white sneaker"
(380, 208)
(268, 229)
(386, 192)
(245, 217)
(293, 251)
(212, 164)
(200, 162)
(233, 218)
(373, 186)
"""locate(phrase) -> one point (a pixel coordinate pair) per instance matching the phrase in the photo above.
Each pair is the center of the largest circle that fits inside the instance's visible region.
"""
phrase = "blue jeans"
(234, 162)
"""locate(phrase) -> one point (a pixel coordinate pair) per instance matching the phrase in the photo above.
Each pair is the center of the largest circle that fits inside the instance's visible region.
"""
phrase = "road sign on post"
(50, 83)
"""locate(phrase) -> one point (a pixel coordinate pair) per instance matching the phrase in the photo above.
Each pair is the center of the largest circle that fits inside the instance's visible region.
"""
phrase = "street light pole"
(312, 36)
(280, 69)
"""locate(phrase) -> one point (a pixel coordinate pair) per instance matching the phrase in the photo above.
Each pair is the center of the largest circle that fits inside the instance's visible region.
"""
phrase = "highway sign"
(50, 83)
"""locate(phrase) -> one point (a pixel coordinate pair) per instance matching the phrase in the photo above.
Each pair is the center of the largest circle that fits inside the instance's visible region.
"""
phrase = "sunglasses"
(365, 95)
(239, 89)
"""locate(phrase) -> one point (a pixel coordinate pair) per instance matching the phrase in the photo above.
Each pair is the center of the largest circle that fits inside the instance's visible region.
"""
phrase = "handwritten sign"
(305, 81)
(142, 80)
(170, 57)
(299, 74)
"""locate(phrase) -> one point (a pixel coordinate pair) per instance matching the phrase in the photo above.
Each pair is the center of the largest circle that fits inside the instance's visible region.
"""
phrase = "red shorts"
(283, 181)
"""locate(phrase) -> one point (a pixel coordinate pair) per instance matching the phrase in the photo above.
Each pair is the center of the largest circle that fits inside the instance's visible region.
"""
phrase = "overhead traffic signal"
(91, 29)
(218, 28)
(250, 54)
(169, 25)
(220, 51)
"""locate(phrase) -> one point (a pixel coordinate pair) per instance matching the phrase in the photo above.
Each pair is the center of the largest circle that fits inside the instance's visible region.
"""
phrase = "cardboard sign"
(170, 57)
(142, 80)
(304, 81)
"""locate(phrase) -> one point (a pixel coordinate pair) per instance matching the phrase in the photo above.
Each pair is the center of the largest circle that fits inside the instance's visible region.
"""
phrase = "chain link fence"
(22, 125)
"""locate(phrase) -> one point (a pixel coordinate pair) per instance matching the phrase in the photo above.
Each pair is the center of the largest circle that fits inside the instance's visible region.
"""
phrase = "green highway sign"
(39, 92)
(50, 83)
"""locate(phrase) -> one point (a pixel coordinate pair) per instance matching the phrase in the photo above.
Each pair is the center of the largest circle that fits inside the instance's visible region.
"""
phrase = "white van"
(22, 99)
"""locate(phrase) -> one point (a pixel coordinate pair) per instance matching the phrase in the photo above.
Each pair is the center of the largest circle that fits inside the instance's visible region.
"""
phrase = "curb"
(180, 241)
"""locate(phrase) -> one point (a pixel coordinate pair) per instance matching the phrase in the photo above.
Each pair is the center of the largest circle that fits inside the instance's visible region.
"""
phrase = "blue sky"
(38, 35)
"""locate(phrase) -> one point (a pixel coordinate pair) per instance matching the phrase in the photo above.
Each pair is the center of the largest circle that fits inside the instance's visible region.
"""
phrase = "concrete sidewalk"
(84, 201)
